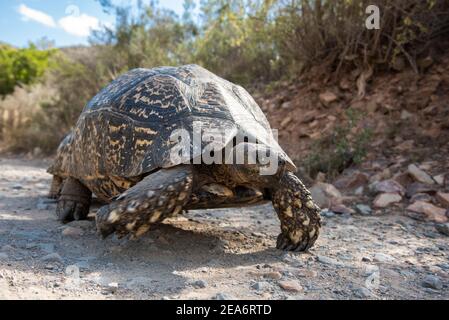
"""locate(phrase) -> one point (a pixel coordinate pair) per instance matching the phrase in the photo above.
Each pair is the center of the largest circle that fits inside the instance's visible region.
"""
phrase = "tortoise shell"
(124, 131)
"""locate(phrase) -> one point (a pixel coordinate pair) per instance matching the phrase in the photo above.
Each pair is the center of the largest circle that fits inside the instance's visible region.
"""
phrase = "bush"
(21, 66)
(24, 123)
(332, 34)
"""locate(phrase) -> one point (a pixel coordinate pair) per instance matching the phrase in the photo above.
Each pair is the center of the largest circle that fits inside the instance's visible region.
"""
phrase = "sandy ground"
(209, 254)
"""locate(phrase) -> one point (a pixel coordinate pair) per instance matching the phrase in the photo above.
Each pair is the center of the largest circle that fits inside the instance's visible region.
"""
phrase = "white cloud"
(36, 15)
(79, 25)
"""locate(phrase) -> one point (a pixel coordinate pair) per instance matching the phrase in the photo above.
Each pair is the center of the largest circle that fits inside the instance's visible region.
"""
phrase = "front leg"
(74, 202)
(299, 215)
(157, 196)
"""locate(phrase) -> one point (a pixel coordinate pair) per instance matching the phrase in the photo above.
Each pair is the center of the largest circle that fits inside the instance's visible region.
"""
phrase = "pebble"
(17, 187)
(199, 284)
(259, 286)
(329, 261)
(52, 257)
(382, 257)
(432, 282)
(367, 259)
(291, 285)
(224, 296)
(362, 293)
(273, 275)
(72, 232)
(363, 209)
(419, 175)
(370, 269)
(327, 213)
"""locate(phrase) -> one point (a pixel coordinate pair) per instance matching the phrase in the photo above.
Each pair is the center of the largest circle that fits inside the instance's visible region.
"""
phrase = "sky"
(66, 22)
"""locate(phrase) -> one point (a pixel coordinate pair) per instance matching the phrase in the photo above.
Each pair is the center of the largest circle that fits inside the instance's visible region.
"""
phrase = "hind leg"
(159, 195)
(74, 202)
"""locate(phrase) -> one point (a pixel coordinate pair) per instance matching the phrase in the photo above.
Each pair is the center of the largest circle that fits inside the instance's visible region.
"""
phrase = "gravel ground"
(208, 254)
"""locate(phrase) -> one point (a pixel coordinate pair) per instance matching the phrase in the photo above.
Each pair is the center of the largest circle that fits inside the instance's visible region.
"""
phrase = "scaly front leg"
(299, 215)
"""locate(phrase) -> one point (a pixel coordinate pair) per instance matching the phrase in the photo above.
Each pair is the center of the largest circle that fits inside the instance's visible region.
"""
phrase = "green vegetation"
(21, 66)
(257, 43)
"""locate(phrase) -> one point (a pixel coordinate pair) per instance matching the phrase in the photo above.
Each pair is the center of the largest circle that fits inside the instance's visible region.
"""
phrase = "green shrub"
(21, 66)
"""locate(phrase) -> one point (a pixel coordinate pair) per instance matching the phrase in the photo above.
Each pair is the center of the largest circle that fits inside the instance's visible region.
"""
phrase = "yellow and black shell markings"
(124, 131)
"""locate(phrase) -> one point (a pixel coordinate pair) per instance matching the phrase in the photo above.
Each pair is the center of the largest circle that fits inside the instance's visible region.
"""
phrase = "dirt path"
(208, 254)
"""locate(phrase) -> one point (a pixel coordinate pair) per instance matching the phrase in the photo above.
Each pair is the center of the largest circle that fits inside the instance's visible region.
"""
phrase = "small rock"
(363, 209)
(199, 284)
(389, 186)
(224, 296)
(439, 179)
(330, 190)
(370, 269)
(353, 181)
(286, 105)
(431, 212)
(421, 197)
(329, 261)
(52, 257)
(327, 97)
(324, 194)
(341, 208)
(443, 198)
(362, 293)
(432, 282)
(382, 257)
(419, 175)
(320, 197)
(259, 286)
(417, 187)
(72, 232)
(366, 259)
(17, 187)
(291, 285)
(443, 228)
(273, 275)
(405, 115)
(359, 191)
(327, 213)
(385, 199)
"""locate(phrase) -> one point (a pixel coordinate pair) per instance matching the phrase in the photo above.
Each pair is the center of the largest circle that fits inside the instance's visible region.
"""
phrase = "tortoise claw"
(68, 210)
(284, 243)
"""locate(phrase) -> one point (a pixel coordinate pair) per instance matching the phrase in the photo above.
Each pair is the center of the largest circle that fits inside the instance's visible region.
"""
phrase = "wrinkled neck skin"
(233, 175)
